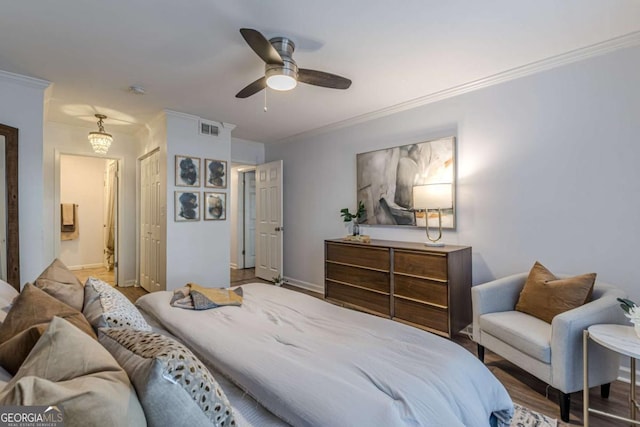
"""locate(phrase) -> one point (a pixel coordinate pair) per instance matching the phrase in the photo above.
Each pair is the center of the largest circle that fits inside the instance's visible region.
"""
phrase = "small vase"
(356, 229)
(636, 327)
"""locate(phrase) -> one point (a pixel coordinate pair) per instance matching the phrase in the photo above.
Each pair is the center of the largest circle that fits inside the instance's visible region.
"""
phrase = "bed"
(312, 363)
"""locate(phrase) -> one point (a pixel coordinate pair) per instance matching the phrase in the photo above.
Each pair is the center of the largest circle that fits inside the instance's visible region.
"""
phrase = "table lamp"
(431, 197)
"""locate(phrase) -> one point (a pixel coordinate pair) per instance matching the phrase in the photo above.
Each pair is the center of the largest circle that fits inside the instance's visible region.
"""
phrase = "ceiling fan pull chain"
(265, 99)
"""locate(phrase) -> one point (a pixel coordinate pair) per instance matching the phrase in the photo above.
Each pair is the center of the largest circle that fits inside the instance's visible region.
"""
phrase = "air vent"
(208, 129)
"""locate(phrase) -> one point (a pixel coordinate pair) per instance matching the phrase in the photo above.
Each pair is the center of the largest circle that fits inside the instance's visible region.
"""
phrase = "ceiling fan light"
(281, 82)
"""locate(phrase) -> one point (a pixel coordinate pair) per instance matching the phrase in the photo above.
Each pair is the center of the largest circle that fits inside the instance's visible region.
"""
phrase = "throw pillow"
(59, 282)
(68, 369)
(545, 296)
(175, 388)
(106, 307)
(29, 316)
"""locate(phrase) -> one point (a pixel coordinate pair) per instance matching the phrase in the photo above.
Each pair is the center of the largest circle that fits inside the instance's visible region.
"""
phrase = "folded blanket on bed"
(195, 297)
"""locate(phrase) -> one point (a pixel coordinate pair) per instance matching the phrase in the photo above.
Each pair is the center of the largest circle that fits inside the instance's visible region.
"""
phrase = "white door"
(151, 235)
(269, 220)
(249, 219)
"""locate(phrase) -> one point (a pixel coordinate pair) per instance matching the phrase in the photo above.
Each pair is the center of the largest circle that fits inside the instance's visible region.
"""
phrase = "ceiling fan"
(281, 72)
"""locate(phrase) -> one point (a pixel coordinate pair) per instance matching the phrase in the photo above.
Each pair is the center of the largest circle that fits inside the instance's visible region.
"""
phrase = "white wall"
(61, 139)
(22, 107)
(547, 170)
(82, 183)
(247, 152)
(196, 251)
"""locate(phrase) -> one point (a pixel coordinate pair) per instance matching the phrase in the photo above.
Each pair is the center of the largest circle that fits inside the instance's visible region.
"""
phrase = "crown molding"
(24, 80)
(576, 55)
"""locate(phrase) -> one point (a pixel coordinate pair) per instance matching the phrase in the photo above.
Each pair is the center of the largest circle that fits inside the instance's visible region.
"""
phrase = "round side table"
(623, 340)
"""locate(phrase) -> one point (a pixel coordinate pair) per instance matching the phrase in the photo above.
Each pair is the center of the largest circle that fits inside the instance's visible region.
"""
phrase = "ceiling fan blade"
(253, 88)
(261, 46)
(320, 78)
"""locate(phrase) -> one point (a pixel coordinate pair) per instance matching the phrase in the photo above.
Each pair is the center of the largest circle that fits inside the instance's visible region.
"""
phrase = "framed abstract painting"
(386, 179)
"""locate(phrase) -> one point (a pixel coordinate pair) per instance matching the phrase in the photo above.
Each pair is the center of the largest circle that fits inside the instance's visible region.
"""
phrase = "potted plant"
(354, 218)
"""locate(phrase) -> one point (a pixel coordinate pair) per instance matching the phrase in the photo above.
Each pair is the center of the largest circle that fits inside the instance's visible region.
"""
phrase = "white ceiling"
(190, 57)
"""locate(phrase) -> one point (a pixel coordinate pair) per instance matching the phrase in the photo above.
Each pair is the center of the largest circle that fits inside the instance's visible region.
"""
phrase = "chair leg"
(604, 390)
(481, 353)
(565, 405)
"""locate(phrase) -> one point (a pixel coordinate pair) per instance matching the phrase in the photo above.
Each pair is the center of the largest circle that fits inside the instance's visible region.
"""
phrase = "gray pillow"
(106, 307)
(174, 387)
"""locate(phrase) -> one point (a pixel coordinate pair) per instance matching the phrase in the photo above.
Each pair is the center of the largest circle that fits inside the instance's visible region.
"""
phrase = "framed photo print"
(215, 173)
(215, 206)
(388, 180)
(187, 206)
(187, 171)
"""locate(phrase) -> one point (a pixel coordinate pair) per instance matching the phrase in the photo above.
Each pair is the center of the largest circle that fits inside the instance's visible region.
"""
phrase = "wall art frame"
(215, 172)
(215, 206)
(385, 180)
(187, 206)
(187, 170)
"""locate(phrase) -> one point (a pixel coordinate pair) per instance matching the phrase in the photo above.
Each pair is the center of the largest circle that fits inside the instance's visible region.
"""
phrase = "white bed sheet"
(315, 364)
(247, 412)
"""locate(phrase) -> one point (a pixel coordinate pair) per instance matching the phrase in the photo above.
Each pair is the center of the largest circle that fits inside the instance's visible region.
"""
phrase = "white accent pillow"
(106, 307)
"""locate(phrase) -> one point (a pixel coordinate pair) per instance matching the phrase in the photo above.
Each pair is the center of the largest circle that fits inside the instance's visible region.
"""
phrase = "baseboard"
(234, 265)
(129, 284)
(82, 267)
(304, 285)
(624, 375)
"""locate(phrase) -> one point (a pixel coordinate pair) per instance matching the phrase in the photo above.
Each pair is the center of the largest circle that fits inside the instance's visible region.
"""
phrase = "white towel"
(68, 217)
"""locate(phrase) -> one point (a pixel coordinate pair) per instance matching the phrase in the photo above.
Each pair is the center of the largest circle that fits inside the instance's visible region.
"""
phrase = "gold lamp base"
(435, 242)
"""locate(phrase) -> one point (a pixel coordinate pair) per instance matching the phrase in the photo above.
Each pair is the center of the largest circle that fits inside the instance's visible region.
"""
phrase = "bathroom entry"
(89, 215)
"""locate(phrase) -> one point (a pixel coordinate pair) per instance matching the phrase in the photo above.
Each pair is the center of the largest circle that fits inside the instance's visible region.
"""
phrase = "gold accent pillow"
(27, 320)
(545, 296)
(68, 369)
(59, 282)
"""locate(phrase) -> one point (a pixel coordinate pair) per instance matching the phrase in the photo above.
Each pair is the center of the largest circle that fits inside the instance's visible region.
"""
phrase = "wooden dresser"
(426, 287)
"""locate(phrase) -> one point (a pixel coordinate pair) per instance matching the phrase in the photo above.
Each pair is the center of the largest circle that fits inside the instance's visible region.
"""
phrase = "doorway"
(243, 220)
(89, 215)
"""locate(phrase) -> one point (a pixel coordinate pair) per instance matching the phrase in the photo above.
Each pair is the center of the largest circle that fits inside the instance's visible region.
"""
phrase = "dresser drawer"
(421, 289)
(357, 255)
(378, 303)
(432, 266)
(371, 279)
(422, 314)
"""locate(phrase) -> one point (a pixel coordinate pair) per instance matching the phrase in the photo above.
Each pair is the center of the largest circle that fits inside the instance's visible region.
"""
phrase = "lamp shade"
(433, 196)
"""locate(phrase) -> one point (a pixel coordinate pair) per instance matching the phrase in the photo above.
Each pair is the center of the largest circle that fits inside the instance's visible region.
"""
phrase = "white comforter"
(315, 364)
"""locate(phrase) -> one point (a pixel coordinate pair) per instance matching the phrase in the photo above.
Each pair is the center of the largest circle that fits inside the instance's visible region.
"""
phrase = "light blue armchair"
(551, 352)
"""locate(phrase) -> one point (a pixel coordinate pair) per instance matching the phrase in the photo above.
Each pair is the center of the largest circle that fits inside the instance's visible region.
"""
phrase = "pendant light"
(100, 141)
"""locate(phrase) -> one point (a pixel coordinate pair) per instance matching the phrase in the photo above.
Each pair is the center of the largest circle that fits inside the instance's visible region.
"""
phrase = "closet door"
(151, 225)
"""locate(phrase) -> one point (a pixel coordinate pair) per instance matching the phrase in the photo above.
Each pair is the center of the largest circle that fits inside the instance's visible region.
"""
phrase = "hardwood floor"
(131, 292)
(522, 387)
(99, 273)
(528, 391)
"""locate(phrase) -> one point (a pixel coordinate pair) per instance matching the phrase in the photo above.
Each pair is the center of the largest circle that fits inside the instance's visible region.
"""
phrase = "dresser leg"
(481, 353)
